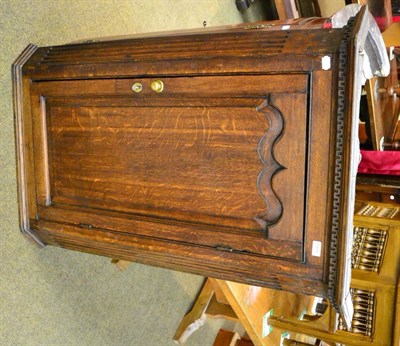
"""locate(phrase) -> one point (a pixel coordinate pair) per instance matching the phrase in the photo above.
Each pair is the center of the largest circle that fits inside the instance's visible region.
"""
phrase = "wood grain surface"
(227, 172)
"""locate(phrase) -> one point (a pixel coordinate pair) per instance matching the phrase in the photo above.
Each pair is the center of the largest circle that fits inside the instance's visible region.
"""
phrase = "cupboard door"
(211, 161)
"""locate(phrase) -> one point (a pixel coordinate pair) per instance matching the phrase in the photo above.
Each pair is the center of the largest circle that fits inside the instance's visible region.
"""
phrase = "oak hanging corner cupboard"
(228, 153)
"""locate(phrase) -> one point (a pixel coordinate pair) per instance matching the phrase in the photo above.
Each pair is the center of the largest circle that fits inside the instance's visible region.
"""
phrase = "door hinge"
(224, 248)
(85, 225)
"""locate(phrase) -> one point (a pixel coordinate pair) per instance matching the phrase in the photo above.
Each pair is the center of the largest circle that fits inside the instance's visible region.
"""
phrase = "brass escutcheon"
(137, 87)
(157, 86)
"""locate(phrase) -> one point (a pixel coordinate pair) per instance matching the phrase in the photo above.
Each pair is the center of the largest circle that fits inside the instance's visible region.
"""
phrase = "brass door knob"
(157, 86)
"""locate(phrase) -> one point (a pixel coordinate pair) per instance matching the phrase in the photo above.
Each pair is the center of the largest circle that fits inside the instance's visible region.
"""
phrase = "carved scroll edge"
(265, 151)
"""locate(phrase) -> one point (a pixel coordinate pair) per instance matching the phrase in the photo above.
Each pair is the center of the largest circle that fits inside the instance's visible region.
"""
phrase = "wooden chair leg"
(310, 329)
(310, 323)
(210, 303)
(219, 294)
(197, 316)
(226, 338)
(220, 310)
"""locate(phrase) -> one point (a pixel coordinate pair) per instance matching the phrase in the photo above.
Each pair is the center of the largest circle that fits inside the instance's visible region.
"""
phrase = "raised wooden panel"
(219, 164)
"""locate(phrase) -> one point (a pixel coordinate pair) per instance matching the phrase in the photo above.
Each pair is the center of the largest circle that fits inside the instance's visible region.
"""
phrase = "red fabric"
(380, 162)
(327, 24)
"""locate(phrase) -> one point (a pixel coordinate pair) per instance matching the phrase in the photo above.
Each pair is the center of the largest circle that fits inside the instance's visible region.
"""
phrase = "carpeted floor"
(56, 297)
